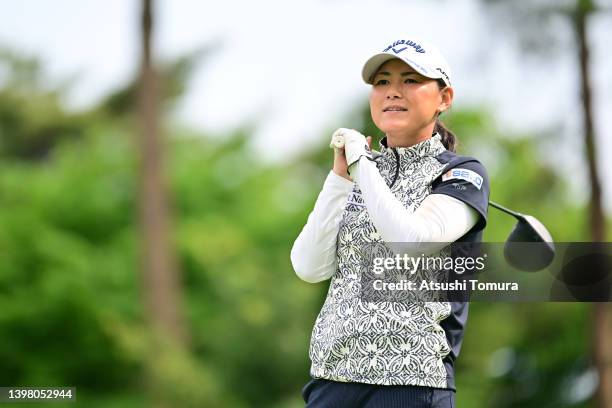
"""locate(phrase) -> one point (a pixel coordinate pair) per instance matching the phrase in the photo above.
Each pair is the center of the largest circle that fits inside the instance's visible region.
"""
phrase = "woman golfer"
(416, 192)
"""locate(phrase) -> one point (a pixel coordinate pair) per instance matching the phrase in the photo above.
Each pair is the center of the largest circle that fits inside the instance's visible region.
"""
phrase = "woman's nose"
(393, 93)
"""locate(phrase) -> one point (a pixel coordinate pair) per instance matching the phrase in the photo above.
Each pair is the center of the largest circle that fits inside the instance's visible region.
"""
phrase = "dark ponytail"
(449, 140)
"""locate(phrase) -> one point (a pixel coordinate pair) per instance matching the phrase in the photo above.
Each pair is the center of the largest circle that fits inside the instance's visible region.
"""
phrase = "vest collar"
(430, 147)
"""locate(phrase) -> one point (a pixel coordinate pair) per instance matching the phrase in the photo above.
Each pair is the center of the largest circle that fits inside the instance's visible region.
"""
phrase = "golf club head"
(529, 246)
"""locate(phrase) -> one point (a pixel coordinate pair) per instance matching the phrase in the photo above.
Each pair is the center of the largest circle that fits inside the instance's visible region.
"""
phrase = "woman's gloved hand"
(349, 145)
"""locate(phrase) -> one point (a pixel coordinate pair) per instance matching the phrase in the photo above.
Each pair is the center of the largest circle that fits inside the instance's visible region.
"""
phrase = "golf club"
(529, 247)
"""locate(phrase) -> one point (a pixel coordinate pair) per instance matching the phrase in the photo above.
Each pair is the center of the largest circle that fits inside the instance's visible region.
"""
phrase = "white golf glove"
(354, 143)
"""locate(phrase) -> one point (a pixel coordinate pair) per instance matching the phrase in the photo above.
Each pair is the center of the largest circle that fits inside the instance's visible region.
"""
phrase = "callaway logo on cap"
(423, 57)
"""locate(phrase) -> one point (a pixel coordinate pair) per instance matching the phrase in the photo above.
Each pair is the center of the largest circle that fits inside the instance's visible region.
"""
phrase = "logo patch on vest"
(356, 199)
(464, 174)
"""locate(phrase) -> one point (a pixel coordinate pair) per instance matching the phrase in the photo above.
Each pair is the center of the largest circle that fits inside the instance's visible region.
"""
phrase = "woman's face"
(404, 104)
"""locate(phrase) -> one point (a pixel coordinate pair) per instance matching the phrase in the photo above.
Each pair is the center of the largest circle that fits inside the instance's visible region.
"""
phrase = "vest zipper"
(397, 161)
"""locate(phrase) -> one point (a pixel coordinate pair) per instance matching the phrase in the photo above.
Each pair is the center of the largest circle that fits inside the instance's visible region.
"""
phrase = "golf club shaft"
(504, 209)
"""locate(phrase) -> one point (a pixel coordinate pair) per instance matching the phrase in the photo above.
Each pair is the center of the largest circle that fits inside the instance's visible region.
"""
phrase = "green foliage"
(32, 118)
(59, 270)
(70, 306)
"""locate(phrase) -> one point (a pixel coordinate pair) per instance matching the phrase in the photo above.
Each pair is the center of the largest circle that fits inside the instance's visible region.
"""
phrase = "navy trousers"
(321, 393)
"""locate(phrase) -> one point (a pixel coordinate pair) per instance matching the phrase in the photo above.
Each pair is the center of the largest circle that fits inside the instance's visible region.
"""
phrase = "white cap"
(422, 56)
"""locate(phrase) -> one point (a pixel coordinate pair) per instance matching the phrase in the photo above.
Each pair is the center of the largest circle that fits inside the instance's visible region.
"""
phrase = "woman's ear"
(447, 95)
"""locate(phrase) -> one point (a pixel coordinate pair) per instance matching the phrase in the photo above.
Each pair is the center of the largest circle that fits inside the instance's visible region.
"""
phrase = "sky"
(294, 66)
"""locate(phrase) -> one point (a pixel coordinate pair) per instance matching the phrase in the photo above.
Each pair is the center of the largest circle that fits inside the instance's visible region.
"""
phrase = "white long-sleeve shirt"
(439, 219)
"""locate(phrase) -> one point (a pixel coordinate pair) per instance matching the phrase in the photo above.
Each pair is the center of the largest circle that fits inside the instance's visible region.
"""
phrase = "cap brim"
(373, 64)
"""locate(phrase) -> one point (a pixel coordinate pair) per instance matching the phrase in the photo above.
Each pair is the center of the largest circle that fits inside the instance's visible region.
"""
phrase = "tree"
(161, 287)
(602, 314)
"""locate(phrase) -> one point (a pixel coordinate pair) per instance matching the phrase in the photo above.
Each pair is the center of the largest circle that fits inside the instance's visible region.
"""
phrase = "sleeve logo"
(464, 174)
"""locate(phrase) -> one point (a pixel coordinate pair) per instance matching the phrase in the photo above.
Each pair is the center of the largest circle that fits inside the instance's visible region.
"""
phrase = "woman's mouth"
(395, 108)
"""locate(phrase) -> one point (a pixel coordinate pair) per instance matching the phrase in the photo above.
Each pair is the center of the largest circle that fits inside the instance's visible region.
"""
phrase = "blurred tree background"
(71, 312)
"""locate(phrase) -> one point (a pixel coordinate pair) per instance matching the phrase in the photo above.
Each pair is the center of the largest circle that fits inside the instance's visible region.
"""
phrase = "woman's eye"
(386, 81)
